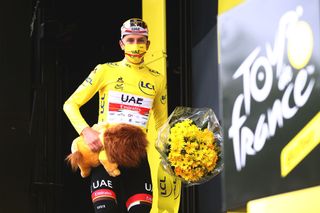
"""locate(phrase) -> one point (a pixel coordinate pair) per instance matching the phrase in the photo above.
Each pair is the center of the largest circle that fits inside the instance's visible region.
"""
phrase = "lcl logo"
(147, 88)
(168, 187)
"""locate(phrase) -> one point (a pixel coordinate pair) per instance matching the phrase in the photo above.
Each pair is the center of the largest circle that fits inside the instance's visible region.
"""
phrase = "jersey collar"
(126, 63)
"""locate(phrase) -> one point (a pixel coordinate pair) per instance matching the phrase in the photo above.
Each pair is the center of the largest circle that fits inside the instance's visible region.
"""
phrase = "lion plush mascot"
(123, 145)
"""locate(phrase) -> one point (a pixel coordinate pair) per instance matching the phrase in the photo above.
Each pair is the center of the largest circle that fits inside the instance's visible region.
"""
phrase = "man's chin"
(133, 61)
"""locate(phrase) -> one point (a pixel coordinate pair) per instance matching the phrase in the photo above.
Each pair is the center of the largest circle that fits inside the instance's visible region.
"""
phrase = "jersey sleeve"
(160, 104)
(82, 95)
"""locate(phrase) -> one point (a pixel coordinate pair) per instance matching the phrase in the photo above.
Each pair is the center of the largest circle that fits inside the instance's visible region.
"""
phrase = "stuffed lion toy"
(123, 145)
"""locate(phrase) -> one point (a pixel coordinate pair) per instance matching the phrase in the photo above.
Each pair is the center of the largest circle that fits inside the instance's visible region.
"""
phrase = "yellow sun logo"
(300, 44)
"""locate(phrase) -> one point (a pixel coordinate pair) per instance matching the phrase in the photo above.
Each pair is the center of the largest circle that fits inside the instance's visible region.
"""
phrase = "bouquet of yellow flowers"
(190, 144)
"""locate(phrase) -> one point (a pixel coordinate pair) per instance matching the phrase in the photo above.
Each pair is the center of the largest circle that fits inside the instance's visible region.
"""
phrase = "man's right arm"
(81, 96)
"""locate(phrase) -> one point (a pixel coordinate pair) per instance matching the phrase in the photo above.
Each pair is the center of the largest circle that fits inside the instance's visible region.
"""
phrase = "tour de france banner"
(270, 98)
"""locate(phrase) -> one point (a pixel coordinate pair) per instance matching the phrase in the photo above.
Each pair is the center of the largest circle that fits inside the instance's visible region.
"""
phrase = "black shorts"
(131, 189)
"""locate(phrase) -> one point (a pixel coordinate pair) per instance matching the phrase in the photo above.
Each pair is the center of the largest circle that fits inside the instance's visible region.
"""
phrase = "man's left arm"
(160, 107)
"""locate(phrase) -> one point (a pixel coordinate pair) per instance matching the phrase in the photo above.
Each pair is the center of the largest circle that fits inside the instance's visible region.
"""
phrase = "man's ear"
(148, 44)
(121, 44)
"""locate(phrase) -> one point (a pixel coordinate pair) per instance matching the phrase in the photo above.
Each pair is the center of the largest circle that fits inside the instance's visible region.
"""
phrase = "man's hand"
(91, 137)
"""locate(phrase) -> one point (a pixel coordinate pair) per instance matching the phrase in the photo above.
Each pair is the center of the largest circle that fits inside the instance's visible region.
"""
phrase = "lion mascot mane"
(123, 145)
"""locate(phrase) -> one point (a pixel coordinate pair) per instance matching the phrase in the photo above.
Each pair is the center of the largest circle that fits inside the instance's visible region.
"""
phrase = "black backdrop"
(205, 87)
(46, 50)
(16, 147)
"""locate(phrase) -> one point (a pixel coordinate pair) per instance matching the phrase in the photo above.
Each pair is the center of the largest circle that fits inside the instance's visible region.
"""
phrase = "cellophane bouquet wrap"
(190, 144)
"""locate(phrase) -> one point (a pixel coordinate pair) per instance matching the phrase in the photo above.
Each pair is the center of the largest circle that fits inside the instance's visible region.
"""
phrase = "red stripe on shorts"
(103, 193)
(137, 199)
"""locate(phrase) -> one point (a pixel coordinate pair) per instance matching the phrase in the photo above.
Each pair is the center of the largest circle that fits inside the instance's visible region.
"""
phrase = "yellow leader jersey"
(127, 93)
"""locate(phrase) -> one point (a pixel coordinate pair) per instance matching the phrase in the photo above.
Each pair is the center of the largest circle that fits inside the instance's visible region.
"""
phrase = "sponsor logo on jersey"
(128, 108)
(128, 65)
(147, 88)
(163, 99)
(102, 103)
(120, 85)
(154, 72)
(95, 70)
(120, 80)
(113, 64)
(131, 99)
(89, 80)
